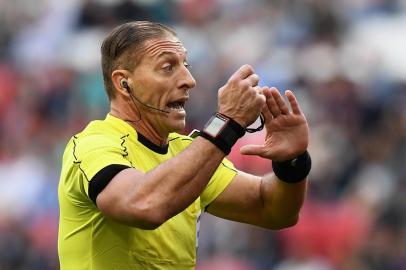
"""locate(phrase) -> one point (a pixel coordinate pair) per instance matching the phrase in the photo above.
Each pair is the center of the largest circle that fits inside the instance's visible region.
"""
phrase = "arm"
(146, 200)
(269, 202)
(262, 201)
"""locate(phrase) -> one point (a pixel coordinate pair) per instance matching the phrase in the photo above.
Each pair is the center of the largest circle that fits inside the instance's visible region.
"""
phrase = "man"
(132, 189)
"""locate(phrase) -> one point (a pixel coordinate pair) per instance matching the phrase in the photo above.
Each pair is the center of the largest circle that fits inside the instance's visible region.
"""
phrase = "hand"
(241, 98)
(287, 132)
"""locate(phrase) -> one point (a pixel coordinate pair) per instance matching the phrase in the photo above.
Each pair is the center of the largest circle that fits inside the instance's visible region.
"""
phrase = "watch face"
(214, 127)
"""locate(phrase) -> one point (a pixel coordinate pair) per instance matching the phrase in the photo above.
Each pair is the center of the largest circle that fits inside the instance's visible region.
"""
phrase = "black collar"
(150, 145)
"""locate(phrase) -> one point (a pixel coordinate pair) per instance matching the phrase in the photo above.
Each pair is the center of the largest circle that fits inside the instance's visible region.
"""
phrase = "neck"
(137, 119)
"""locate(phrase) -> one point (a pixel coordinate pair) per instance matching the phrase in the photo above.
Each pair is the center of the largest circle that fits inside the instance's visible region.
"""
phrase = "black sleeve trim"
(103, 178)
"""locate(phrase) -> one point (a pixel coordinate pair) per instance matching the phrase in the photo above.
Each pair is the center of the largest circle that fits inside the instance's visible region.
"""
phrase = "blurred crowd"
(345, 60)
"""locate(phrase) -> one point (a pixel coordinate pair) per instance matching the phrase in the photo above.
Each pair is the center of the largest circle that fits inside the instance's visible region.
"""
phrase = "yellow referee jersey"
(89, 240)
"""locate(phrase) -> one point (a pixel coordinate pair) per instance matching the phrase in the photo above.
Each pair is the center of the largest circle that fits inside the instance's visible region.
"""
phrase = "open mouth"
(177, 105)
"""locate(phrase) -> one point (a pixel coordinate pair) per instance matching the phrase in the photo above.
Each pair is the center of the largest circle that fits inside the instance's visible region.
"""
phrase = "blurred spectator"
(344, 59)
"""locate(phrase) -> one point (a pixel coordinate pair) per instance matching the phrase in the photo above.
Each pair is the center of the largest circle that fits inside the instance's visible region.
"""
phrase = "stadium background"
(345, 59)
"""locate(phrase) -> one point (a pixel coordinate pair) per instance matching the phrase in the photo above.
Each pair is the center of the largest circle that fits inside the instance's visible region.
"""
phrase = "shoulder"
(179, 139)
(97, 135)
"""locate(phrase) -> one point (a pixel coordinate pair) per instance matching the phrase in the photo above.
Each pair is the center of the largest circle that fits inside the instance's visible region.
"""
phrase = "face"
(162, 80)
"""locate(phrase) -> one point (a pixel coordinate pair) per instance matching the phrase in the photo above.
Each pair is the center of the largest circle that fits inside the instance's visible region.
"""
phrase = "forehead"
(158, 47)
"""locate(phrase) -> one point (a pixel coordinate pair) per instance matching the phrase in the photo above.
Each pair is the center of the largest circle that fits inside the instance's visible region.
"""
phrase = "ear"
(116, 77)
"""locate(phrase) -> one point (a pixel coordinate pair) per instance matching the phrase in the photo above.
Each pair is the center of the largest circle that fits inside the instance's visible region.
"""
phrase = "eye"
(186, 64)
(167, 67)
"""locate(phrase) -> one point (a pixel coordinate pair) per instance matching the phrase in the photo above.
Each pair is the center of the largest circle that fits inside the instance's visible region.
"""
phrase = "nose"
(187, 81)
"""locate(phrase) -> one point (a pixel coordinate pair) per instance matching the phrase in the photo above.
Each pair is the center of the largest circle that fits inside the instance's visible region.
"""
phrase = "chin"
(178, 127)
(177, 124)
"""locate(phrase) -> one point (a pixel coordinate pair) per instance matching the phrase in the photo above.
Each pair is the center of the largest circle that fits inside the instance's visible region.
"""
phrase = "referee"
(132, 189)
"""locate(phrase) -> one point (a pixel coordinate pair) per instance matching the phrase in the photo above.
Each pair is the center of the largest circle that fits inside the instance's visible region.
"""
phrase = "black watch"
(222, 131)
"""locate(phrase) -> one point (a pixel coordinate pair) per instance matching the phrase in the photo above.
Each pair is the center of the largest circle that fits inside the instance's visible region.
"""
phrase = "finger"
(283, 107)
(272, 106)
(266, 113)
(242, 73)
(258, 89)
(261, 99)
(267, 91)
(252, 149)
(267, 118)
(265, 110)
(253, 79)
(293, 102)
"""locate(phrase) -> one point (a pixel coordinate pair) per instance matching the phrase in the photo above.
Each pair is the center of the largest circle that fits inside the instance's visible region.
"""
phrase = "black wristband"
(224, 134)
(294, 170)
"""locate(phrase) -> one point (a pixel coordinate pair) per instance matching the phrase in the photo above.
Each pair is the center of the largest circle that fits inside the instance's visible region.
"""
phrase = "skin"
(162, 76)
(146, 200)
(269, 202)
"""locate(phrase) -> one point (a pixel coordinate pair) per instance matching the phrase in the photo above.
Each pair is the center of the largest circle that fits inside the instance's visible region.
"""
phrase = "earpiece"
(124, 84)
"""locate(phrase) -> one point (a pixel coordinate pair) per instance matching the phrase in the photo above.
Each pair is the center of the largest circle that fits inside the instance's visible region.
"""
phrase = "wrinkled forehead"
(154, 48)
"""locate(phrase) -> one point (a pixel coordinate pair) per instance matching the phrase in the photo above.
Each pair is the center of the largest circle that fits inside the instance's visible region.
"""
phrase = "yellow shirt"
(89, 240)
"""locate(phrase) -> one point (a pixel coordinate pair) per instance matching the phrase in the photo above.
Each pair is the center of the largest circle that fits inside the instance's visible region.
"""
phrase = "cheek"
(153, 90)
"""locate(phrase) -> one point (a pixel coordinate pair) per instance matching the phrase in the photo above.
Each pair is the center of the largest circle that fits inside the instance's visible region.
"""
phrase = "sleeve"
(218, 182)
(96, 153)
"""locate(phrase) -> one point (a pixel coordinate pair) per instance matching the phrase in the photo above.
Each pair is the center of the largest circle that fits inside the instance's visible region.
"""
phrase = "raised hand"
(287, 130)
(240, 98)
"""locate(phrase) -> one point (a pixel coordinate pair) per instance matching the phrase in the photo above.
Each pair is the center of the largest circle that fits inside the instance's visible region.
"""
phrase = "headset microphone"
(125, 85)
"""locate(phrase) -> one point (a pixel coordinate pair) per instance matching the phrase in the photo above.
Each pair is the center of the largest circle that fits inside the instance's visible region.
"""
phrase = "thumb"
(252, 149)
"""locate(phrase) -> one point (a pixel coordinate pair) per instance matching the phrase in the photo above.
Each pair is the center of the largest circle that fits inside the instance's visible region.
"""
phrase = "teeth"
(176, 106)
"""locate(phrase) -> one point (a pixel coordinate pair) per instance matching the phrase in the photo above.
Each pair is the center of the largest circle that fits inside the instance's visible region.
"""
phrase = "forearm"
(176, 183)
(269, 201)
(281, 201)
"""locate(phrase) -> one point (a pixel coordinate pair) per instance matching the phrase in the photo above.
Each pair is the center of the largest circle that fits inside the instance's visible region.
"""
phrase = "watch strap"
(227, 136)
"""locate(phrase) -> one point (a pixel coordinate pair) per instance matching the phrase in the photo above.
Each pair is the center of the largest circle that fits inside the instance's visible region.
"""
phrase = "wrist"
(222, 131)
(236, 119)
(294, 170)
